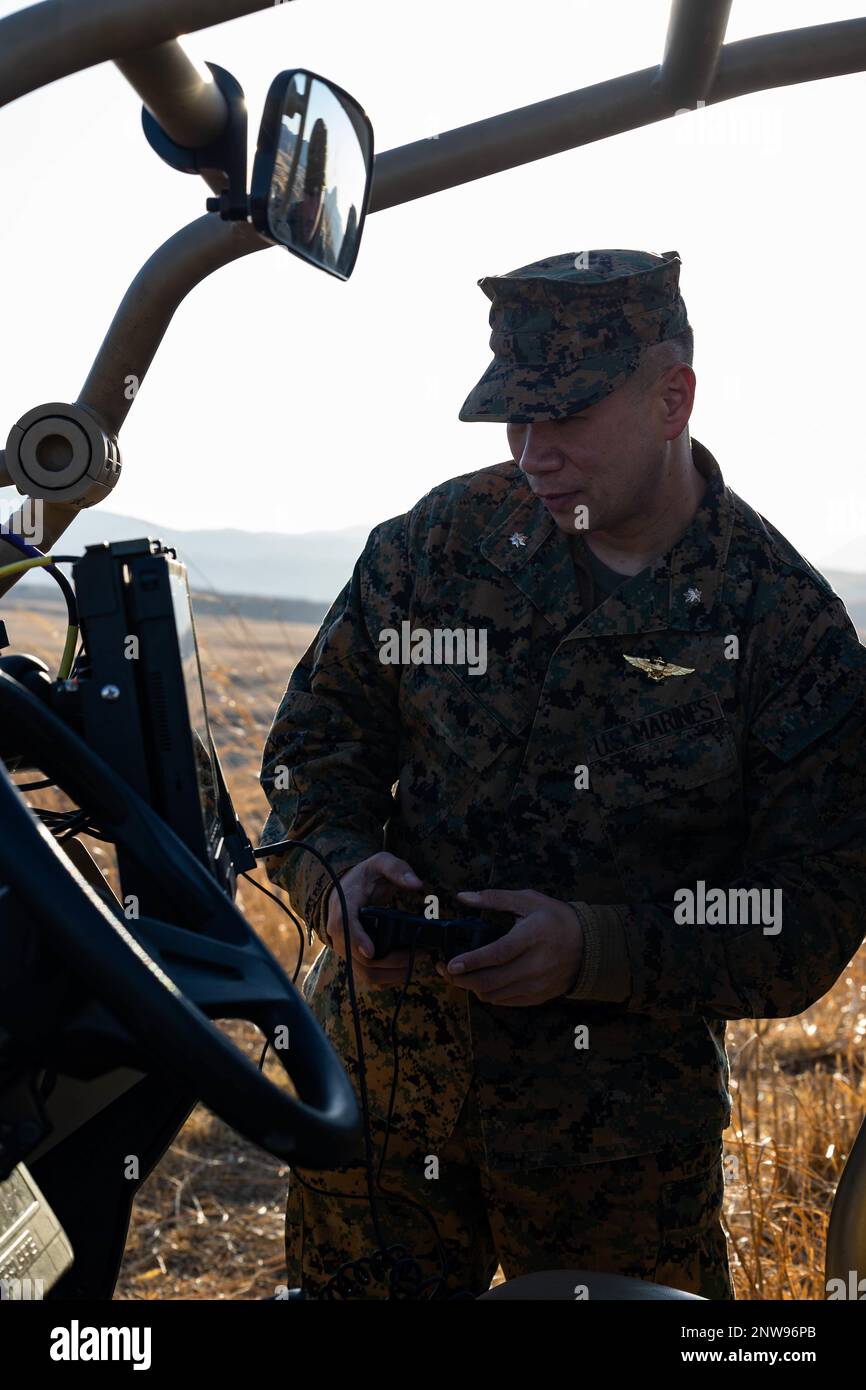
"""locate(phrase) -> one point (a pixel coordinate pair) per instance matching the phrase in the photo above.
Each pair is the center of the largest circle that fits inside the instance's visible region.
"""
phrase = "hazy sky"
(285, 399)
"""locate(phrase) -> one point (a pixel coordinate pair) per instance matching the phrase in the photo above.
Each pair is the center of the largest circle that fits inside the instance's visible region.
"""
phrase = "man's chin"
(565, 522)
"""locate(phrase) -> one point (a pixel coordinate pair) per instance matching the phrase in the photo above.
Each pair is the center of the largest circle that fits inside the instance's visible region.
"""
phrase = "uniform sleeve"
(604, 972)
(804, 809)
(331, 756)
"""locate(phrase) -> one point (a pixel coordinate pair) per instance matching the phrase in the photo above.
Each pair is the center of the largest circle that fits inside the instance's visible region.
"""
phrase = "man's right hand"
(363, 885)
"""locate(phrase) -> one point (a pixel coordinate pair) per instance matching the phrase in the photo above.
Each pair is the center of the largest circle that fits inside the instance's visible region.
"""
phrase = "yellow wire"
(20, 565)
(34, 562)
(68, 653)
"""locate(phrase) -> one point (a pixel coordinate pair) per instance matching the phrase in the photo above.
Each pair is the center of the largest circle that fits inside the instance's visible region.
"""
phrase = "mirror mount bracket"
(230, 209)
(225, 157)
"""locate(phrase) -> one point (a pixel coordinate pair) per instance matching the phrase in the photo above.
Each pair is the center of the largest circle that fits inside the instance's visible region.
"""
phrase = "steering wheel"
(160, 979)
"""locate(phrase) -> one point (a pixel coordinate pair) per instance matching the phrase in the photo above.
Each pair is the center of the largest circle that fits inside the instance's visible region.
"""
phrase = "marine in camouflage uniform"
(586, 1131)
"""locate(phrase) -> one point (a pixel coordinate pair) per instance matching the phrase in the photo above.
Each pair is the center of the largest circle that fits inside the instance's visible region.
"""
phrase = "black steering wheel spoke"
(165, 983)
(222, 979)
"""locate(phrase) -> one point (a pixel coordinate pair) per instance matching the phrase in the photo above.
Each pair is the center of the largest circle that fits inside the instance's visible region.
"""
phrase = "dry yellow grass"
(209, 1221)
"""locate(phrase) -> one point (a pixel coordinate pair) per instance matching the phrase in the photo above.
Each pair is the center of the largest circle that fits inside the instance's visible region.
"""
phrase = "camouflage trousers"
(653, 1217)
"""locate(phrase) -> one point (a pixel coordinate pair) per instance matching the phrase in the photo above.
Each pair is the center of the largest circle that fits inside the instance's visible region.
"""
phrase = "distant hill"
(251, 607)
(298, 576)
(312, 565)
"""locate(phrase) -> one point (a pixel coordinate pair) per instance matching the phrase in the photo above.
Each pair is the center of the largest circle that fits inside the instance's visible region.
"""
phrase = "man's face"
(609, 459)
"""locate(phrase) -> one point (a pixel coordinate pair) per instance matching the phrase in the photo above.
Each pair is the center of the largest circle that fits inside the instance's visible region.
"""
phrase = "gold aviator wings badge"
(656, 668)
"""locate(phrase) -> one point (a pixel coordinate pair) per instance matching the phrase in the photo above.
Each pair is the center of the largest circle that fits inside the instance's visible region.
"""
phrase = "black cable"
(279, 902)
(53, 817)
(74, 828)
(279, 848)
(397, 1196)
(33, 552)
(396, 1259)
(57, 820)
(288, 911)
(63, 825)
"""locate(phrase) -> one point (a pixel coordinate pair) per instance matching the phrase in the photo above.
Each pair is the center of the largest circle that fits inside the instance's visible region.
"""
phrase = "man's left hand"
(537, 960)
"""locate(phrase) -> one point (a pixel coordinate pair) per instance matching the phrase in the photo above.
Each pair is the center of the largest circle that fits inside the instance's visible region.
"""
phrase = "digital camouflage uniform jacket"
(746, 771)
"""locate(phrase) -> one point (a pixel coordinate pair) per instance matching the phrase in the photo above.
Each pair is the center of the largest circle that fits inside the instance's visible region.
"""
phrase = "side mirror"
(313, 171)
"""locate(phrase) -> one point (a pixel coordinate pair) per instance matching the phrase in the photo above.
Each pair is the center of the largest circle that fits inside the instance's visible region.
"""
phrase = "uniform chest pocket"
(449, 741)
(671, 807)
(664, 767)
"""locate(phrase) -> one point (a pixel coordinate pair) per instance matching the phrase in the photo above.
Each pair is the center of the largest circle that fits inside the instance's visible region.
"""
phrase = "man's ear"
(677, 388)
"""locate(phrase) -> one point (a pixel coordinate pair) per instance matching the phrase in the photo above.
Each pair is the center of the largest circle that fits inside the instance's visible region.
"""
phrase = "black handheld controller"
(389, 929)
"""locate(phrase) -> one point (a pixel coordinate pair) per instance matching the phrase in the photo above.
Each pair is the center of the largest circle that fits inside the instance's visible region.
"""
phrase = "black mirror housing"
(312, 172)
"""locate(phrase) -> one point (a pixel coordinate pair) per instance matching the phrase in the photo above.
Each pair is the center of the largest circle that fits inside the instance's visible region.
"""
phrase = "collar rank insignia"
(518, 538)
(657, 669)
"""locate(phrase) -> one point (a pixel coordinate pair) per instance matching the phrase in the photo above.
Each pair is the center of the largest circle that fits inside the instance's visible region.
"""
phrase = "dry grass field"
(209, 1221)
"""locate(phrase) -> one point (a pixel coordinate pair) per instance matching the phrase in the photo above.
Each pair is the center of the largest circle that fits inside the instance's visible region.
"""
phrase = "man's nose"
(539, 452)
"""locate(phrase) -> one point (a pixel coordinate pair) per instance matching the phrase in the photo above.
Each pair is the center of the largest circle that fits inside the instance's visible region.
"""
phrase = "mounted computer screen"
(143, 698)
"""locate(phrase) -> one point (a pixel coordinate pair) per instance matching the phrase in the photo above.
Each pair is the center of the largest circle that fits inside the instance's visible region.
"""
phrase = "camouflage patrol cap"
(568, 330)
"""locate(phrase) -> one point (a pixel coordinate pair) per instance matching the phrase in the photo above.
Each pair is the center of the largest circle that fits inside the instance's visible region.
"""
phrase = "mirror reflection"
(319, 178)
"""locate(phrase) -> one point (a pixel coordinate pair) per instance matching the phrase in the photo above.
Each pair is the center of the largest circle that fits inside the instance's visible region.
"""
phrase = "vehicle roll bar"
(610, 108)
(692, 48)
(140, 36)
(85, 32)
(148, 306)
(696, 66)
(186, 102)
